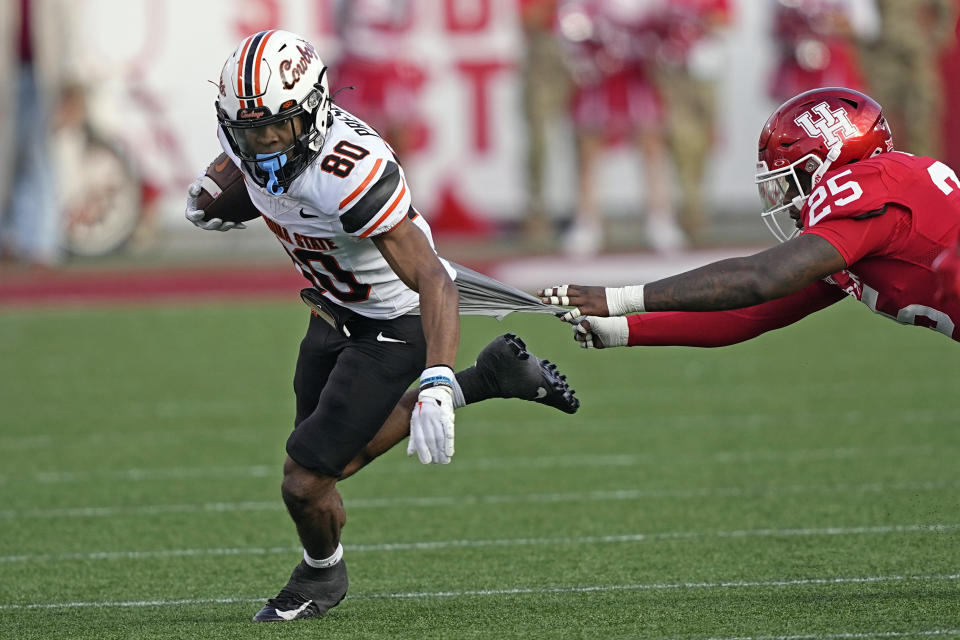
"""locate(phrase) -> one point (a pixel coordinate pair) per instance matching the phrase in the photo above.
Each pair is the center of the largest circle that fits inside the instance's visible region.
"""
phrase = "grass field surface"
(802, 485)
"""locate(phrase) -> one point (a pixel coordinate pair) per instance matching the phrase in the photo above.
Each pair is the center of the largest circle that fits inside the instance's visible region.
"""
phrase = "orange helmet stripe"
(243, 56)
(259, 57)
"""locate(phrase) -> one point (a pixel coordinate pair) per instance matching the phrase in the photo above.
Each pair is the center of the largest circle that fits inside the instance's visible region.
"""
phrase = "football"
(224, 195)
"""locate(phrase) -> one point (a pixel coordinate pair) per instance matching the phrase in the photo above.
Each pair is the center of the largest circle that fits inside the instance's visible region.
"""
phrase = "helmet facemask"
(785, 190)
(275, 170)
(274, 107)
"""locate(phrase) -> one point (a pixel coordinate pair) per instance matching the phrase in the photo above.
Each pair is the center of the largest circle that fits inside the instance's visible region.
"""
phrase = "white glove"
(603, 332)
(431, 424)
(195, 215)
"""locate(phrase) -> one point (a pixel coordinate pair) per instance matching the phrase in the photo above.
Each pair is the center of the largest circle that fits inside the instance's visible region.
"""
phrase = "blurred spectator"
(817, 42)
(690, 59)
(32, 74)
(903, 68)
(546, 90)
(377, 63)
(608, 45)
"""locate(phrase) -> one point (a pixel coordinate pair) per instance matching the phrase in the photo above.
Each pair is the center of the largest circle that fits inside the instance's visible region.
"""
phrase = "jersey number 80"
(342, 163)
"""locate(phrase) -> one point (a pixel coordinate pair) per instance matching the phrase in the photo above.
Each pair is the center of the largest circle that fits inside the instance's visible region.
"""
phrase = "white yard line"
(475, 464)
(441, 501)
(496, 542)
(850, 636)
(907, 415)
(520, 591)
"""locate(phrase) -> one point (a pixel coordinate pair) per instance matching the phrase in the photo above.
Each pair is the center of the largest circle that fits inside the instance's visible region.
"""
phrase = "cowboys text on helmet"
(274, 107)
(291, 73)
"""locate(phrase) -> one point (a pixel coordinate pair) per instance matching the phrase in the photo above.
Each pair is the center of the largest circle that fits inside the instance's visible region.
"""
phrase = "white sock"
(458, 400)
(326, 562)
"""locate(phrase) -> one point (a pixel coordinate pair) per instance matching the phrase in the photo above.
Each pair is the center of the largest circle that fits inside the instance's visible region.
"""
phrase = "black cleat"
(310, 593)
(514, 372)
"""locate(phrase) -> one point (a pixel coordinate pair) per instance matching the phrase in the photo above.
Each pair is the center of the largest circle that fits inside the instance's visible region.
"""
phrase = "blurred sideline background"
(544, 140)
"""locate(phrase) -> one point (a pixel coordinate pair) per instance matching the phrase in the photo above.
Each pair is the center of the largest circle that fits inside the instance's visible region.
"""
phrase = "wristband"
(436, 376)
(619, 335)
(624, 300)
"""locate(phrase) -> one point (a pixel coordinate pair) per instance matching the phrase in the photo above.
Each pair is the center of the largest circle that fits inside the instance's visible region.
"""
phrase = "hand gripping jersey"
(354, 191)
(889, 217)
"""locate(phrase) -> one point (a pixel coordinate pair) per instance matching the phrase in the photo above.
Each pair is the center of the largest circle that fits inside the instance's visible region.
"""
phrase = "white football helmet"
(275, 78)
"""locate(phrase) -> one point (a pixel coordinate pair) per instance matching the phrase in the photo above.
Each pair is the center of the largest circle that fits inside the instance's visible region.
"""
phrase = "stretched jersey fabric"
(889, 217)
(354, 191)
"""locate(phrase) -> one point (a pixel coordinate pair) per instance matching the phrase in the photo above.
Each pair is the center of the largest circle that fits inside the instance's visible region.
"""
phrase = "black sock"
(476, 386)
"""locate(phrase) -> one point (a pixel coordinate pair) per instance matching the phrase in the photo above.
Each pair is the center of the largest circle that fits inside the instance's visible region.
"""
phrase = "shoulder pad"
(858, 190)
(370, 196)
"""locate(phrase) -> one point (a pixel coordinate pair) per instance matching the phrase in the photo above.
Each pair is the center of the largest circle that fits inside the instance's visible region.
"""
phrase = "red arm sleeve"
(722, 328)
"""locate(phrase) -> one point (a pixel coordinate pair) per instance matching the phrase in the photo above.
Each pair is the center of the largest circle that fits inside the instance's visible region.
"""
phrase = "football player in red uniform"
(867, 222)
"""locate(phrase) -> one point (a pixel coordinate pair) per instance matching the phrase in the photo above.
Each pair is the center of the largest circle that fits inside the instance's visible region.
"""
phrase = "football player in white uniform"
(385, 305)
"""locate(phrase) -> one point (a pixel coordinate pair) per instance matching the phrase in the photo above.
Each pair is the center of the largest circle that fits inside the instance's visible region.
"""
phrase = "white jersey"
(353, 191)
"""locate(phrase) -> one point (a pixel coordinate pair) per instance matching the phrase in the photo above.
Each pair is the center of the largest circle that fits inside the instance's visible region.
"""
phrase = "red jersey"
(890, 217)
(947, 267)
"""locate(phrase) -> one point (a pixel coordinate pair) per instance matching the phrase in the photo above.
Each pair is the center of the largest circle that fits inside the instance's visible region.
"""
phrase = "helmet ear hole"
(805, 178)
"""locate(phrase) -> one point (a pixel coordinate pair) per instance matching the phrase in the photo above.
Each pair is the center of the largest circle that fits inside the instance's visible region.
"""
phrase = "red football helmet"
(806, 136)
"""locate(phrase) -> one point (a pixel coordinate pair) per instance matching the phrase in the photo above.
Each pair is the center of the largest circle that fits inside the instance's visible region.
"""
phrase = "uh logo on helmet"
(274, 106)
(832, 126)
(803, 138)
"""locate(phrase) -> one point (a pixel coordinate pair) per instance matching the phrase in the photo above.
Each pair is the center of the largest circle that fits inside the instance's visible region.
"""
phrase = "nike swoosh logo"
(307, 215)
(222, 165)
(293, 613)
(541, 393)
(383, 338)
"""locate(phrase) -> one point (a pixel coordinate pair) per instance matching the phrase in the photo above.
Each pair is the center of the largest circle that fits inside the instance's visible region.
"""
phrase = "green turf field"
(802, 485)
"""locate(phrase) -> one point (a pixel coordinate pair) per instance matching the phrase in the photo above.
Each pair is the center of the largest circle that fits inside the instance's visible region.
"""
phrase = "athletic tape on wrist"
(624, 300)
(622, 337)
(436, 382)
(435, 377)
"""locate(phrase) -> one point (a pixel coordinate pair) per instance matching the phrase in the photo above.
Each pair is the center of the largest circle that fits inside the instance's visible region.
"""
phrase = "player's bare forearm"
(440, 315)
(742, 282)
(727, 284)
(411, 257)
(734, 283)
